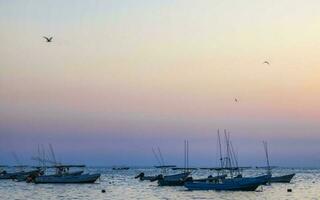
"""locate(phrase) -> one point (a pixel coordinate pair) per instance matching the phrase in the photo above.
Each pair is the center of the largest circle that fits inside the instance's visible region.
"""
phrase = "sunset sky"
(121, 77)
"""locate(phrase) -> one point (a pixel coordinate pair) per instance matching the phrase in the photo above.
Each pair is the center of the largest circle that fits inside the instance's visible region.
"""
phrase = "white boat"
(84, 178)
(174, 180)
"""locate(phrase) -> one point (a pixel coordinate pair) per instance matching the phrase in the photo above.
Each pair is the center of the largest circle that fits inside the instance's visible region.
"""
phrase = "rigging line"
(160, 154)
(232, 155)
(265, 144)
(184, 159)
(39, 155)
(155, 155)
(53, 155)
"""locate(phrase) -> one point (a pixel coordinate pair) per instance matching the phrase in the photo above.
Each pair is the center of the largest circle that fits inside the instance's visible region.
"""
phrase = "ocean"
(122, 185)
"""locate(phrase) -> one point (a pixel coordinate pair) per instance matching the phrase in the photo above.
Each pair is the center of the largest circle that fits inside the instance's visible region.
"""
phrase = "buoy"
(103, 191)
(289, 190)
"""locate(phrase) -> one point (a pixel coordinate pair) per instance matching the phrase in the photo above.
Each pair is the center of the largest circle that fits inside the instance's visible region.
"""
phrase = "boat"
(229, 174)
(63, 175)
(180, 178)
(142, 177)
(174, 180)
(276, 179)
(14, 175)
(62, 172)
(120, 168)
(230, 184)
(84, 178)
(282, 179)
(24, 177)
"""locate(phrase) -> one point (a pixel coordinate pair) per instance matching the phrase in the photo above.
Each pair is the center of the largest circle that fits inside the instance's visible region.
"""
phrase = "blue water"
(122, 185)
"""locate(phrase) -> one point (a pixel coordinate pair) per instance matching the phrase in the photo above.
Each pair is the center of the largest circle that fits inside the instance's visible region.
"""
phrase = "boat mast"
(228, 159)
(265, 145)
(219, 143)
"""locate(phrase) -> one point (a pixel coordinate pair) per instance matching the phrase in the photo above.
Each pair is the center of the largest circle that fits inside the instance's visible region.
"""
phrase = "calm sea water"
(122, 185)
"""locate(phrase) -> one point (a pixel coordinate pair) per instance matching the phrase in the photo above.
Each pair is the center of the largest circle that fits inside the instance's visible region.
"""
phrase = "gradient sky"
(121, 77)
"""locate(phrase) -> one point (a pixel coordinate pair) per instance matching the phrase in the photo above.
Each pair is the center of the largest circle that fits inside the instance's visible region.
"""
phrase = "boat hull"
(74, 179)
(17, 174)
(235, 184)
(174, 180)
(282, 179)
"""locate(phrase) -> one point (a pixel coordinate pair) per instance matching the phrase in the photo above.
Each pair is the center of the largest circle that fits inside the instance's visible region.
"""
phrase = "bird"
(48, 39)
(236, 100)
(266, 62)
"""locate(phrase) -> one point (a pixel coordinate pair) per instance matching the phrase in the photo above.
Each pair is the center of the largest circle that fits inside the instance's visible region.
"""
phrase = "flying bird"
(48, 39)
(236, 100)
(266, 62)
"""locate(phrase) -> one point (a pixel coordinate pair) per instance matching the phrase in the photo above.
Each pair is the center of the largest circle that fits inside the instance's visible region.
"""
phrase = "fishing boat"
(282, 179)
(231, 184)
(63, 175)
(276, 179)
(229, 174)
(142, 177)
(24, 177)
(14, 175)
(180, 178)
(84, 178)
(62, 172)
(174, 180)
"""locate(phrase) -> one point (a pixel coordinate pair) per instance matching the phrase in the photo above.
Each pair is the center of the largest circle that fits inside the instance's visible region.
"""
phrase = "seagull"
(48, 39)
(236, 100)
(266, 62)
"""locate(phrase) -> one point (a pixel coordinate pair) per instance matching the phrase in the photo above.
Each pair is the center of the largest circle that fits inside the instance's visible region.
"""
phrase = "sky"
(122, 77)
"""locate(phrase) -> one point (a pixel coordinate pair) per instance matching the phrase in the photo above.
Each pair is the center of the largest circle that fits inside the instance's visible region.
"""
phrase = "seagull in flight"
(236, 100)
(48, 39)
(266, 62)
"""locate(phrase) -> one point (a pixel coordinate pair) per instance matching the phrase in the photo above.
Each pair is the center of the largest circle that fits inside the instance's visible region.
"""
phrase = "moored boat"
(282, 179)
(142, 177)
(63, 175)
(232, 184)
(174, 180)
(276, 179)
(84, 178)
(13, 175)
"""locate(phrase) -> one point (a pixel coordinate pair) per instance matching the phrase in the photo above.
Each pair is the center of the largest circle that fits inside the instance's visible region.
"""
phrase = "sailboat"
(181, 178)
(62, 173)
(276, 179)
(229, 174)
